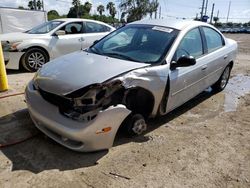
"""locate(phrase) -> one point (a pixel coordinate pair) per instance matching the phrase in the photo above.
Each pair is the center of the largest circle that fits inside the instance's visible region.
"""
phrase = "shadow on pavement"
(38, 153)
(9, 72)
(41, 153)
(159, 121)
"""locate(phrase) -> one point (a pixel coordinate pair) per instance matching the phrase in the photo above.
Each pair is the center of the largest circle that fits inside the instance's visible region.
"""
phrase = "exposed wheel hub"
(139, 126)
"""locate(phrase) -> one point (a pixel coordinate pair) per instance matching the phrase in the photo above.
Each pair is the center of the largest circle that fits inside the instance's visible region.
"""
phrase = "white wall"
(18, 20)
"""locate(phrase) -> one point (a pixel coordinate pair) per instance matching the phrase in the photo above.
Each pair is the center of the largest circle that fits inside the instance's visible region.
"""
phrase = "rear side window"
(213, 38)
(92, 27)
(191, 45)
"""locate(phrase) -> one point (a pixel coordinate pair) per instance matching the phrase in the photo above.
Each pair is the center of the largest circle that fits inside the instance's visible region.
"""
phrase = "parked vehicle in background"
(235, 30)
(144, 69)
(49, 40)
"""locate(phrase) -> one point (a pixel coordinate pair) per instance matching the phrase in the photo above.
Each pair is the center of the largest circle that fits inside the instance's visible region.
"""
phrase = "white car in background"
(49, 40)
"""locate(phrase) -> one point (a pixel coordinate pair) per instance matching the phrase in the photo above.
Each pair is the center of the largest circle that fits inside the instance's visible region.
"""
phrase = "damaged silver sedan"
(144, 69)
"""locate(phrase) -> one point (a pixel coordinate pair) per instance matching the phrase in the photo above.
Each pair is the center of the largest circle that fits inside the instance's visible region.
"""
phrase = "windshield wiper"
(95, 50)
(112, 54)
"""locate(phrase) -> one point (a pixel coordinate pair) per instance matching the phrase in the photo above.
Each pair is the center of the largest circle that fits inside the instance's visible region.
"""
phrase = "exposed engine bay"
(87, 102)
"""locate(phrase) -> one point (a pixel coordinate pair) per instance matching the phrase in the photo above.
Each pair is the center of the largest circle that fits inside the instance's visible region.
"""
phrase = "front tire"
(135, 125)
(34, 58)
(222, 82)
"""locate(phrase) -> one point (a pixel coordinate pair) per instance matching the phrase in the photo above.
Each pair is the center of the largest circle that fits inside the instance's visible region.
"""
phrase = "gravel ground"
(204, 143)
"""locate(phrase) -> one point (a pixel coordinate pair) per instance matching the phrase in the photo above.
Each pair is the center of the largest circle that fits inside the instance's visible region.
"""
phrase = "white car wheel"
(34, 59)
(222, 82)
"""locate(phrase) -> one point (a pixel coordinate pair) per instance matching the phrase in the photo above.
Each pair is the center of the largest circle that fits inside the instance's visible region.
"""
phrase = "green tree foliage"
(218, 24)
(20, 7)
(216, 19)
(72, 13)
(87, 7)
(137, 9)
(78, 10)
(103, 18)
(246, 24)
(229, 24)
(152, 7)
(100, 9)
(39, 5)
(123, 17)
(111, 8)
(76, 3)
(31, 5)
(53, 14)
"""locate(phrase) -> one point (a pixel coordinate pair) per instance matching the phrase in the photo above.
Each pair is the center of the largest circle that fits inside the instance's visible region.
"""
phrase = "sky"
(239, 11)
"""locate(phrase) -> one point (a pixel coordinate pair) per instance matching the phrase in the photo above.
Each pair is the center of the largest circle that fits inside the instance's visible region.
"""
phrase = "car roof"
(172, 23)
(80, 20)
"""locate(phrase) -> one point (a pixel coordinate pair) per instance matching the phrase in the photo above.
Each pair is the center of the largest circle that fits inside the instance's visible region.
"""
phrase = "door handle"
(204, 67)
(225, 56)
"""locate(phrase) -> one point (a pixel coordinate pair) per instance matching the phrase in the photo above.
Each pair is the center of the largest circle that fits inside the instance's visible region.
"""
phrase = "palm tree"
(135, 9)
(31, 5)
(76, 4)
(87, 7)
(216, 19)
(100, 9)
(153, 6)
(111, 8)
(39, 5)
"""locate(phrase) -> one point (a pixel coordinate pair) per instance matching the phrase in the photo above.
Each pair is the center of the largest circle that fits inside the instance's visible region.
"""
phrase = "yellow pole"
(3, 75)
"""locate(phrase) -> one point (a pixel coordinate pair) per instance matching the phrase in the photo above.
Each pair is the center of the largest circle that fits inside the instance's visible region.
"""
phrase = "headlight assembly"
(88, 101)
(13, 46)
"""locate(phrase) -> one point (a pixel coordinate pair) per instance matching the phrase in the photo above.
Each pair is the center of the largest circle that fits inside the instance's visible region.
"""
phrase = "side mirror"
(184, 61)
(60, 32)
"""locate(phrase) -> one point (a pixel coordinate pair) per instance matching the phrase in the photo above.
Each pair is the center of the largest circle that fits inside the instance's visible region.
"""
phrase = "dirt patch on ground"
(197, 145)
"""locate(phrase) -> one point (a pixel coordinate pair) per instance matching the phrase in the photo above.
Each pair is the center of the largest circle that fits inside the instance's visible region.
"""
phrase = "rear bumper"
(75, 135)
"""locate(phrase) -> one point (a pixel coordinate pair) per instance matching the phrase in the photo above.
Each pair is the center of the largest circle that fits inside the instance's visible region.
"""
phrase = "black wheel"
(34, 58)
(135, 125)
(222, 82)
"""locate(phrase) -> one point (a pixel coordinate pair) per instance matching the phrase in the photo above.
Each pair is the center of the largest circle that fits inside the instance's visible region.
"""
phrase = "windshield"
(140, 43)
(45, 27)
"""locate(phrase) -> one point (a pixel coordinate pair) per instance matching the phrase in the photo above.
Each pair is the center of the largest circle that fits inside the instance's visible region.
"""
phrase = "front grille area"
(55, 99)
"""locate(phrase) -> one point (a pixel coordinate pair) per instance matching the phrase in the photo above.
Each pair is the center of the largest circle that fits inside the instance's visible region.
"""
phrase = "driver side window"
(73, 28)
(191, 45)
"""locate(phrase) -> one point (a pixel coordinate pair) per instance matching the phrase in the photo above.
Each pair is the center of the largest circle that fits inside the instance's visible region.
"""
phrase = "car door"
(94, 31)
(216, 56)
(69, 42)
(186, 82)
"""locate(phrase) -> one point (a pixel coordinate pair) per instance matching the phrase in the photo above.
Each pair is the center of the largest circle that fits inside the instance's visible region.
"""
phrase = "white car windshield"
(45, 27)
(140, 43)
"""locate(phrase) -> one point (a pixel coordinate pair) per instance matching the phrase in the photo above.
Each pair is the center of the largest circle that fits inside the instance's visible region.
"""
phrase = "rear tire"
(33, 59)
(222, 82)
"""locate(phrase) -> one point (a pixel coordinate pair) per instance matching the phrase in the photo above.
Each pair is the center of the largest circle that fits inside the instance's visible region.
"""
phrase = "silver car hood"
(80, 69)
(14, 37)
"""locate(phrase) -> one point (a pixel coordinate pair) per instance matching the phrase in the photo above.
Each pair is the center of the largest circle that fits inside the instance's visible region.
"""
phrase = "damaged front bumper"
(96, 134)
(12, 59)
